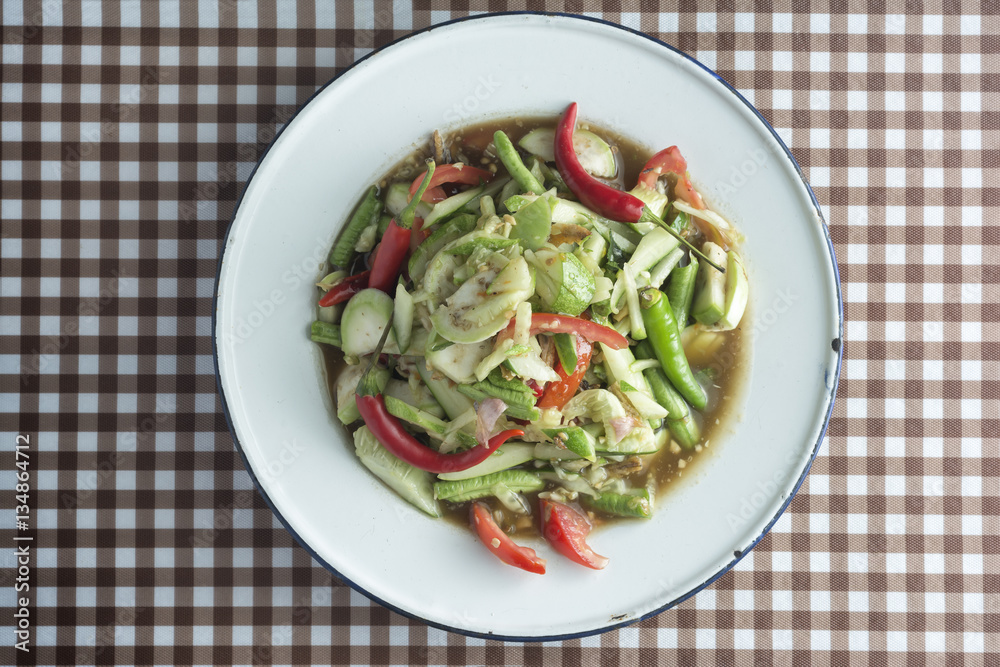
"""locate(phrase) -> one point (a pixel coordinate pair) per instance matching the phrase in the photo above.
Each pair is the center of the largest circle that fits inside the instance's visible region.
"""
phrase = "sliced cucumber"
(484, 304)
(458, 361)
(619, 366)
(513, 411)
(397, 196)
(641, 440)
(347, 386)
(509, 455)
(402, 410)
(546, 451)
(475, 240)
(563, 283)
(402, 318)
(644, 404)
(654, 200)
(412, 484)
(737, 293)
(491, 189)
(575, 439)
(437, 284)
(365, 318)
(566, 351)
(534, 222)
(443, 235)
(415, 393)
(453, 402)
(444, 208)
(594, 153)
(652, 248)
(710, 301)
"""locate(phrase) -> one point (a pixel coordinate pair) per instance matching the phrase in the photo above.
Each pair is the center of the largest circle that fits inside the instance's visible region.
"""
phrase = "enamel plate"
(304, 188)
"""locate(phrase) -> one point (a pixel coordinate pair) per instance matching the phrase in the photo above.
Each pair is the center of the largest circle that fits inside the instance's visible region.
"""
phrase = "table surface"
(127, 134)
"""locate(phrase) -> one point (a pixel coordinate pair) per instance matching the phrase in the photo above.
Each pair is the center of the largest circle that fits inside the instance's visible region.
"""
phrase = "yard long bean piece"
(661, 329)
(515, 167)
(685, 431)
(663, 391)
(366, 213)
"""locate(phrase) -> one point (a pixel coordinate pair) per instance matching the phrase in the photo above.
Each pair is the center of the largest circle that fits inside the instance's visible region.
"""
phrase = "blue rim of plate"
(837, 343)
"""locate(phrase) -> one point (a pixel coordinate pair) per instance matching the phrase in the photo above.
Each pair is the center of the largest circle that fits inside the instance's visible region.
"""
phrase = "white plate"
(304, 188)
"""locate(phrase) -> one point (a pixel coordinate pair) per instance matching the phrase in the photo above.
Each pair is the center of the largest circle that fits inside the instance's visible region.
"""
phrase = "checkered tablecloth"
(127, 133)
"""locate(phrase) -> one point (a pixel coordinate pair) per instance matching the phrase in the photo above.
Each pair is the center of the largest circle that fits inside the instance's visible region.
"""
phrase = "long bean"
(661, 329)
(680, 291)
(366, 213)
(324, 332)
(685, 431)
(515, 167)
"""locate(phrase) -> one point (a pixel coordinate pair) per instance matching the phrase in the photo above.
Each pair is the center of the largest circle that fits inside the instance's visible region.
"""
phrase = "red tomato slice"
(670, 160)
(566, 530)
(450, 173)
(500, 543)
(557, 394)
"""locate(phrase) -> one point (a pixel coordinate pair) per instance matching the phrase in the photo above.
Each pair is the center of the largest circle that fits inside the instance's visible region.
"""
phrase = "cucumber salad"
(521, 342)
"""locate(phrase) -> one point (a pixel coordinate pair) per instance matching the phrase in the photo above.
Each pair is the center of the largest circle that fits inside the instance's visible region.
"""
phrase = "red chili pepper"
(566, 530)
(451, 173)
(595, 195)
(567, 324)
(345, 289)
(388, 431)
(418, 234)
(670, 160)
(500, 543)
(535, 389)
(390, 258)
(557, 394)
(395, 244)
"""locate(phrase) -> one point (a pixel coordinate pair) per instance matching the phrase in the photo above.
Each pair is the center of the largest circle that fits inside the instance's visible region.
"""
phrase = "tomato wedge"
(670, 160)
(450, 173)
(566, 530)
(557, 394)
(500, 543)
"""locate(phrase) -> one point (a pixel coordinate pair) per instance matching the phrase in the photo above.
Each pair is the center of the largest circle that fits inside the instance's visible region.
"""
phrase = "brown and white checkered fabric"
(127, 133)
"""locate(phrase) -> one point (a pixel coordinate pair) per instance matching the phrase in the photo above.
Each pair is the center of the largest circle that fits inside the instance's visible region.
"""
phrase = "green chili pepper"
(515, 167)
(661, 329)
